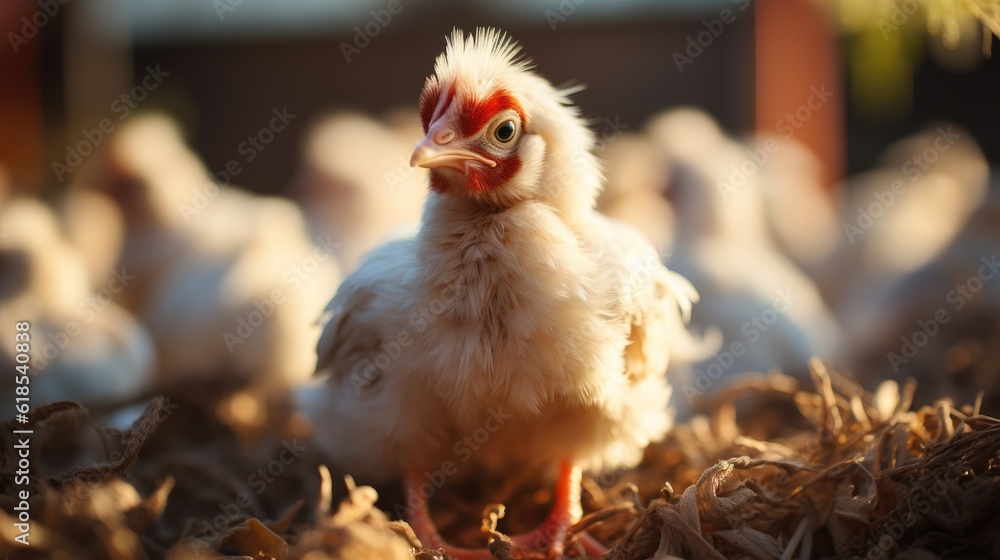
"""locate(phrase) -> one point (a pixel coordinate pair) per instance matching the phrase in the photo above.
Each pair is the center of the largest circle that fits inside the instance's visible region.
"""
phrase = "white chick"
(938, 324)
(356, 184)
(637, 172)
(83, 347)
(802, 215)
(898, 217)
(92, 223)
(769, 313)
(517, 310)
(228, 282)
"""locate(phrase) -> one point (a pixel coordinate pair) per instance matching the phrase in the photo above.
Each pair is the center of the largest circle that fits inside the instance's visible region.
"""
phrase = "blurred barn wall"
(224, 84)
(627, 67)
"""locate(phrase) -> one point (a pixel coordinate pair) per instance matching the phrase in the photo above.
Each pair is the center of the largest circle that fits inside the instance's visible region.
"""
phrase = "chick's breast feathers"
(564, 329)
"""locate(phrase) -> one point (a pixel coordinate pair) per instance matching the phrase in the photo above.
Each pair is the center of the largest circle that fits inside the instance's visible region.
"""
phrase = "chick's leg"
(566, 510)
(551, 534)
(423, 526)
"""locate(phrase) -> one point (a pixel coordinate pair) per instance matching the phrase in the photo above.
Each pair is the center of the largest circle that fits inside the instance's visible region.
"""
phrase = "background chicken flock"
(146, 273)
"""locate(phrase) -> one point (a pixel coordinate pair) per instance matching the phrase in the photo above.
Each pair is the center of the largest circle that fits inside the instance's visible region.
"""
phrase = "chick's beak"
(437, 150)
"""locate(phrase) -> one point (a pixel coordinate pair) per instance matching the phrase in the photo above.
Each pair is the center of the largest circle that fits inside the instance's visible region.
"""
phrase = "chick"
(94, 225)
(227, 281)
(517, 310)
(636, 174)
(803, 216)
(356, 184)
(82, 346)
(769, 313)
(938, 324)
(900, 216)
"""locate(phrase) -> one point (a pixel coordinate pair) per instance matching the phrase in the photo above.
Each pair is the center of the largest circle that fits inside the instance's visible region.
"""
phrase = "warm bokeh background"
(229, 65)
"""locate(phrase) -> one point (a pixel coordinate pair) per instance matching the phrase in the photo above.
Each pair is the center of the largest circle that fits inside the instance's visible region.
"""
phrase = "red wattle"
(483, 179)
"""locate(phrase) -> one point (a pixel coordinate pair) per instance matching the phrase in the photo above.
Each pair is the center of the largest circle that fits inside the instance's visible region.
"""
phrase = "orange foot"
(550, 535)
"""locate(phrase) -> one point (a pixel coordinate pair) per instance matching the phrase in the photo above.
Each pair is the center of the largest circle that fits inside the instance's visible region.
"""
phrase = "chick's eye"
(505, 132)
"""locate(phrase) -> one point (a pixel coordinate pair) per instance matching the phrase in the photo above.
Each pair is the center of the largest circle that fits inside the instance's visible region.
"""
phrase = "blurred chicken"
(516, 307)
(938, 324)
(802, 215)
(355, 182)
(636, 174)
(769, 313)
(900, 216)
(228, 283)
(83, 347)
(404, 123)
(94, 225)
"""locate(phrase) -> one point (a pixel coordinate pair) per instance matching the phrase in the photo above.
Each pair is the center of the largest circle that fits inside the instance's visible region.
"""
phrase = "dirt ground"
(773, 468)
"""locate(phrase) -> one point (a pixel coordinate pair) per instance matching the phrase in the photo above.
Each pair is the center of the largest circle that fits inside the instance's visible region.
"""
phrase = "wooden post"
(796, 55)
(22, 122)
